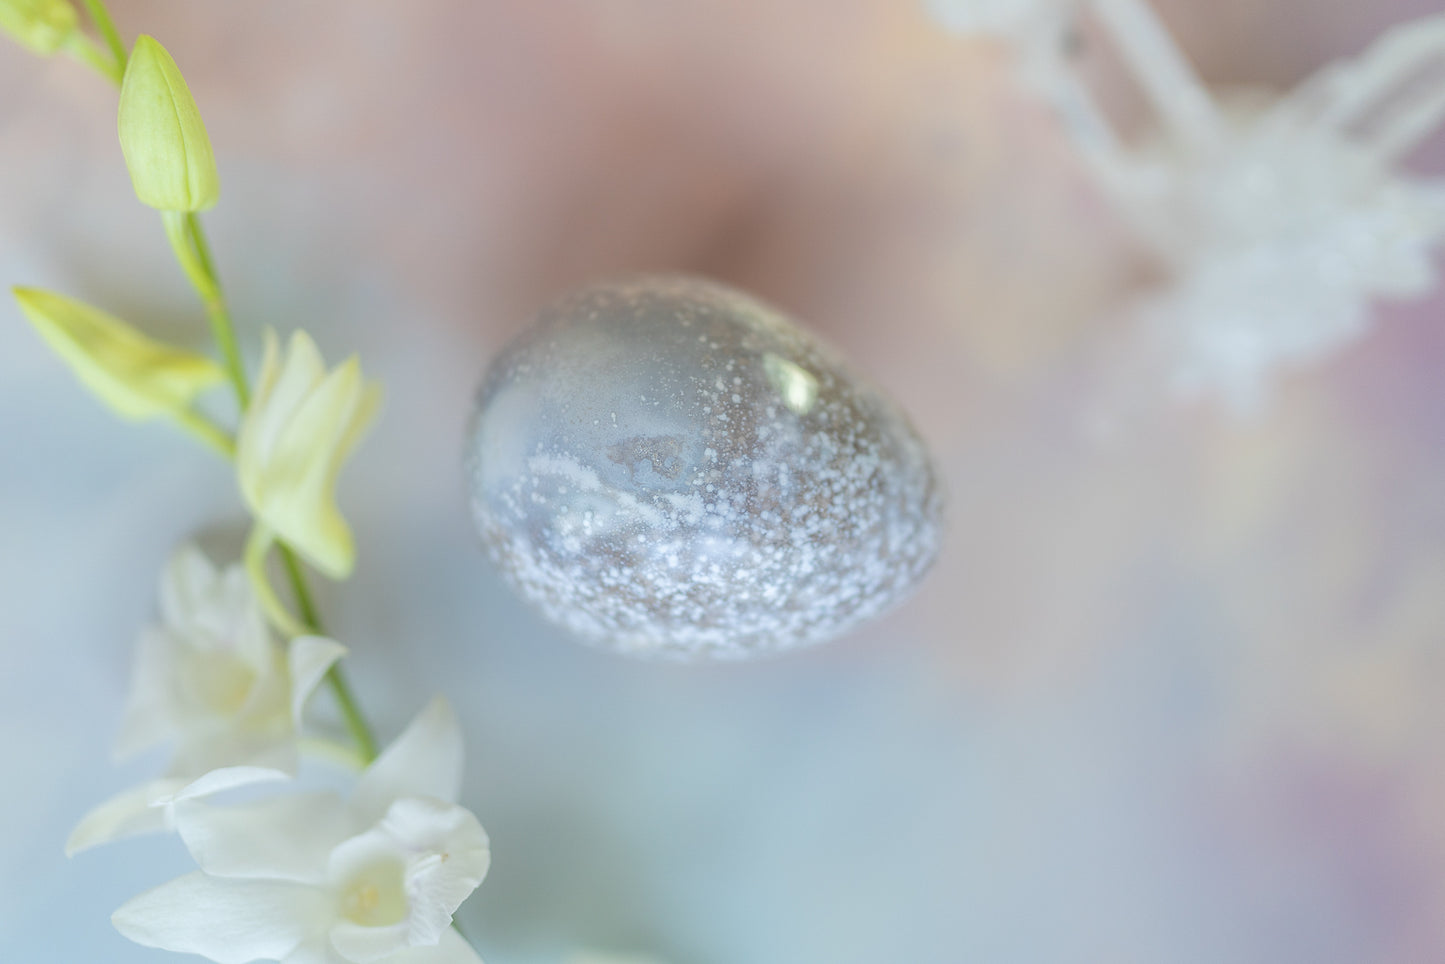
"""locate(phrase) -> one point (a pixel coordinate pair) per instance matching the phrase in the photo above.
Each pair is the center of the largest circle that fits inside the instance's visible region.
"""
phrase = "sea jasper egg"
(670, 468)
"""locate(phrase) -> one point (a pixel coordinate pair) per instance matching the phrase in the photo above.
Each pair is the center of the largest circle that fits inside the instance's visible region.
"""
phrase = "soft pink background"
(1176, 698)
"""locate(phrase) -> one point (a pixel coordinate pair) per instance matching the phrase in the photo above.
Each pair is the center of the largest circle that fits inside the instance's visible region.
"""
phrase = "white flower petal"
(298, 430)
(218, 780)
(186, 585)
(310, 658)
(205, 750)
(245, 622)
(286, 838)
(295, 374)
(316, 950)
(267, 705)
(127, 814)
(451, 949)
(425, 761)
(406, 877)
(211, 677)
(449, 854)
(362, 944)
(229, 921)
(268, 745)
(306, 461)
(148, 718)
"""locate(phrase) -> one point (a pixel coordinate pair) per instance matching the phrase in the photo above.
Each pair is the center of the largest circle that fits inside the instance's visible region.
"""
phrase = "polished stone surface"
(670, 468)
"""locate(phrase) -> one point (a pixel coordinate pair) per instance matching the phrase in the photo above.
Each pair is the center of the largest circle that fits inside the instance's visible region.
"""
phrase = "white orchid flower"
(212, 679)
(300, 427)
(312, 879)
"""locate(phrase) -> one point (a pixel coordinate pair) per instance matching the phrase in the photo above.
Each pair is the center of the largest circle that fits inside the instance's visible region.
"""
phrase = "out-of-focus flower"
(136, 376)
(1283, 220)
(1028, 22)
(42, 25)
(213, 679)
(1280, 244)
(302, 423)
(310, 879)
(162, 136)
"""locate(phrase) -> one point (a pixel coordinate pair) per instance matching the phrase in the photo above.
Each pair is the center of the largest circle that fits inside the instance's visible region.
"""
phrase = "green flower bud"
(42, 25)
(134, 375)
(162, 136)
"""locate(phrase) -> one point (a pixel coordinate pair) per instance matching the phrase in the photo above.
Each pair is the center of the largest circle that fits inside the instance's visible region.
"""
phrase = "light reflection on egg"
(670, 468)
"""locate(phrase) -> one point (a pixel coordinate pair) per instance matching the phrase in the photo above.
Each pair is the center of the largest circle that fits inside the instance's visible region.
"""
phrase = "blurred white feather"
(1281, 221)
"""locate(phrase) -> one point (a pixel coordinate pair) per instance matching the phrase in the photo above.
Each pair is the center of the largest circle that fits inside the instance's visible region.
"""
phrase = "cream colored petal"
(422, 860)
(286, 838)
(187, 586)
(365, 944)
(301, 477)
(228, 921)
(216, 781)
(291, 446)
(457, 855)
(127, 814)
(302, 370)
(425, 761)
(245, 624)
(309, 657)
(316, 950)
(267, 710)
(308, 450)
(286, 379)
(149, 713)
(259, 424)
(362, 415)
(451, 949)
(208, 748)
(270, 366)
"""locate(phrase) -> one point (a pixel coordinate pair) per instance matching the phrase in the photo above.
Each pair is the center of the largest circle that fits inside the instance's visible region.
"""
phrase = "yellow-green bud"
(42, 25)
(162, 136)
(135, 375)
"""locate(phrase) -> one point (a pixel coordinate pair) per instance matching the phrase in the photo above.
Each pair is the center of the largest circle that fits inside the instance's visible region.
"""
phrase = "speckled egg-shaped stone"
(670, 468)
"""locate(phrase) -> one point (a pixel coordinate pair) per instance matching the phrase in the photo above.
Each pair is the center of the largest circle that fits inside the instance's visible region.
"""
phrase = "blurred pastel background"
(1171, 698)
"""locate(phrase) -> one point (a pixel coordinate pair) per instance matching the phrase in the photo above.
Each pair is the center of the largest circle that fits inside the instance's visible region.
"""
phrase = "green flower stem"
(258, 546)
(335, 678)
(188, 242)
(351, 713)
(106, 26)
(88, 52)
(340, 753)
(193, 251)
(217, 311)
(207, 431)
(309, 614)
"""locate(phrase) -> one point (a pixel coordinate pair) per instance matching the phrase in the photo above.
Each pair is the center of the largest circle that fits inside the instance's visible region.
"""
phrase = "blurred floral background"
(1170, 695)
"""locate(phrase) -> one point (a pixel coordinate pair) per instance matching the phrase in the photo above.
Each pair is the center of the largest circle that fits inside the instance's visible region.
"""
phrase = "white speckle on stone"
(706, 517)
